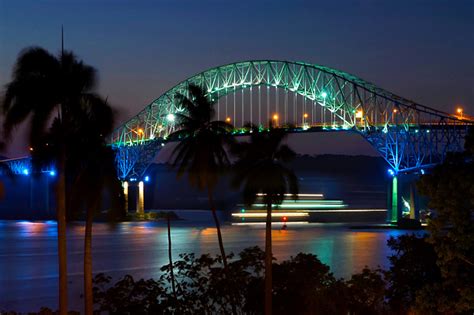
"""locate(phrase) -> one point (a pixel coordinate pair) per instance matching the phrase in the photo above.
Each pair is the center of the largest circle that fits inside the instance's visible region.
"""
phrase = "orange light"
(305, 115)
(140, 130)
(395, 110)
(275, 117)
(31, 149)
(285, 218)
(227, 119)
(359, 114)
(459, 110)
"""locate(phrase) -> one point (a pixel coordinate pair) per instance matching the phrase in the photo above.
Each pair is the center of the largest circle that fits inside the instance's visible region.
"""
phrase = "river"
(28, 258)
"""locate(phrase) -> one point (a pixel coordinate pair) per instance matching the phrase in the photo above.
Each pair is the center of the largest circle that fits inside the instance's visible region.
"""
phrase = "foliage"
(412, 267)
(128, 296)
(366, 292)
(66, 118)
(262, 166)
(261, 172)
(303, 285)
(450, 189)
(200, 152)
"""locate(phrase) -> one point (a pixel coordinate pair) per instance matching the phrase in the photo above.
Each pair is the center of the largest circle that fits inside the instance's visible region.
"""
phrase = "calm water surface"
(28, 258)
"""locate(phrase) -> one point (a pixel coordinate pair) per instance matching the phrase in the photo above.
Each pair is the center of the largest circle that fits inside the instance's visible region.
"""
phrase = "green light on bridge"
(170, 117)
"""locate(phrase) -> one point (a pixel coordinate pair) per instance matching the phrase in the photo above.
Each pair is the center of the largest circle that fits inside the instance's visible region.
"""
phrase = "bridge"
(310, 98)
(409, 136)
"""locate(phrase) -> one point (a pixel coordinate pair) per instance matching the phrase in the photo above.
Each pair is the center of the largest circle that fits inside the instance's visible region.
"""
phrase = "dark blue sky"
(422, 50)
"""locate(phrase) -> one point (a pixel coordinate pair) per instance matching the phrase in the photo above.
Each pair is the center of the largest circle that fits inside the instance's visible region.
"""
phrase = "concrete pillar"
(394, 206)
(141, 198)
(125, 194)
(414, 209)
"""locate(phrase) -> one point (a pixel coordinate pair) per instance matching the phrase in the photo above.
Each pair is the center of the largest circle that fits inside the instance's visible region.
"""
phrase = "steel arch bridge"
(310, 97)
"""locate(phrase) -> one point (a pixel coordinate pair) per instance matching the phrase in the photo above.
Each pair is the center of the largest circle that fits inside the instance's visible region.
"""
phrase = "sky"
(421, 50)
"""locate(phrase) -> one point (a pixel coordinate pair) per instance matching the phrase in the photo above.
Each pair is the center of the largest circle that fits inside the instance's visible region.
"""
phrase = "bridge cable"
(268, 104)
(235, 122)
(243, 110)
(251, 104)
(259, 106)
(277, 96)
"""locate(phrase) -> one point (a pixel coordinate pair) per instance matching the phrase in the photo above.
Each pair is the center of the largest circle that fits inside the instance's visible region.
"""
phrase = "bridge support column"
(414, 207)
(141, 198)
(402, 198)
(394, 212)
(125, 194)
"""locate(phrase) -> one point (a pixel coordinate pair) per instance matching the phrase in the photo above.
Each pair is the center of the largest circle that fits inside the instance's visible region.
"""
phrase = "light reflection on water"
(28, 261)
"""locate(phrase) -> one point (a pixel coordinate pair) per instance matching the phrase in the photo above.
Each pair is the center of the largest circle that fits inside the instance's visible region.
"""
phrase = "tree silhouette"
(260, 169)
(201, 151)
(55, 95)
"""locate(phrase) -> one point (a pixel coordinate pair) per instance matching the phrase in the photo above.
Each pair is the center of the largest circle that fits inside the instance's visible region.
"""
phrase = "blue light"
(147, 178)
(133, 179)
(26, 171)
(391, 172)
(422, 172)
(52, 173)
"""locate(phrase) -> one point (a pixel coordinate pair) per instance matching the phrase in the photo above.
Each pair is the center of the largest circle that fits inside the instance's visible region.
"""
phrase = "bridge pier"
(414, 204)
(402, 198)
(393, 198)
(141, 198)
(125, 194)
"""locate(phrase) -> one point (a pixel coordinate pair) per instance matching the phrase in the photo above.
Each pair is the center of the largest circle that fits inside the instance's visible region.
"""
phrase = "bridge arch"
(401, 130)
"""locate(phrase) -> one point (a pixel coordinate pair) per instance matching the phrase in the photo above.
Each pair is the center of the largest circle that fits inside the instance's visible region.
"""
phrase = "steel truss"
(23, 166)
(408, 135)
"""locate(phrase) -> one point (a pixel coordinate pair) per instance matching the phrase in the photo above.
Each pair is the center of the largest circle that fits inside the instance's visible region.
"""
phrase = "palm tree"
(90, 170)
(170, 257)
(201, 150)
(261, 171)
(94, 176)
(44, 86)
(97, 177)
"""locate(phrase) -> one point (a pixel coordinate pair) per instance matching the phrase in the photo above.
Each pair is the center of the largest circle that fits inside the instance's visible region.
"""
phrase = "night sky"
(421, 50)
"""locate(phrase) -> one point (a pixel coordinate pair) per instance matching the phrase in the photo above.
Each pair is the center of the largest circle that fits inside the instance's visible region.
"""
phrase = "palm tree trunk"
(268, 261)
(171, 259)
(61, 217)
(218, 227)
(221, 243)
(88, 296)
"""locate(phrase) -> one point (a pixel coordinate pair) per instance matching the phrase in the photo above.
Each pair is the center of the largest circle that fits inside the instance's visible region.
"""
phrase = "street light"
(170, 117)
(459, 110)
(227, 120)
(275, 117)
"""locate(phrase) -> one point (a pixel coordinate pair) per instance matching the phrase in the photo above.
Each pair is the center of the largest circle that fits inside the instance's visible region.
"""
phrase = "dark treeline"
(301, 285)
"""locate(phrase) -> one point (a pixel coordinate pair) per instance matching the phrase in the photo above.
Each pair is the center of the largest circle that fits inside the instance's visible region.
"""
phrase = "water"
(28, 259)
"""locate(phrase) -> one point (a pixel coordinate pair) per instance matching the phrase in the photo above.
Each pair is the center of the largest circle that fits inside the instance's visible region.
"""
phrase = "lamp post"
(275, 119)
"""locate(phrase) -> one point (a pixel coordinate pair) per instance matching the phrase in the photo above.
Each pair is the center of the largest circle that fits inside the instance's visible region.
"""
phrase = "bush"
(302, 285)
